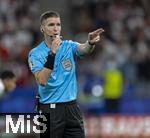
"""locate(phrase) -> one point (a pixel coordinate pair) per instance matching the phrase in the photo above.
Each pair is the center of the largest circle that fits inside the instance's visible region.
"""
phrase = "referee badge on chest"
(67, 65)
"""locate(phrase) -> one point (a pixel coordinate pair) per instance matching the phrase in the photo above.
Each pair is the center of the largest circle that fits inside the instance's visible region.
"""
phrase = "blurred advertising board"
(117, 126)
(104, 126)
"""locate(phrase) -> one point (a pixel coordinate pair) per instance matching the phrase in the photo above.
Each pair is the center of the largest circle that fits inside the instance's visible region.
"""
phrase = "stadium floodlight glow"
(97, 90)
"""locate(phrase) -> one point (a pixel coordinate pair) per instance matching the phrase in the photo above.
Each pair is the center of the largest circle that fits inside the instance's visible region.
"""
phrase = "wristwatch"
(91, 43)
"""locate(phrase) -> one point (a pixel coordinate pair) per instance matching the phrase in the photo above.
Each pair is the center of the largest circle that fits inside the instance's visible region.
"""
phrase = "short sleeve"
(74, 46)
(35, 63)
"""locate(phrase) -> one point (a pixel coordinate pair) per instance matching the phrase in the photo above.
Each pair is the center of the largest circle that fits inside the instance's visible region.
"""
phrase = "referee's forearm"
(85, 48)
(42, 76)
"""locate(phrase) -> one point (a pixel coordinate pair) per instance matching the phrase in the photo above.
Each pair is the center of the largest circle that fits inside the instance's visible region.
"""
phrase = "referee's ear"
(42, 31)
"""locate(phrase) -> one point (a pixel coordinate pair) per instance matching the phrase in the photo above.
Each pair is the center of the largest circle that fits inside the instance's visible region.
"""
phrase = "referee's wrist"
(91, 44)
(52, 53)
(50, 61)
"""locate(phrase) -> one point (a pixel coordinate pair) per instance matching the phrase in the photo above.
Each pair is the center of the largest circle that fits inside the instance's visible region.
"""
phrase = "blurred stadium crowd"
(120, 64)
(121, 61)
(18, 34)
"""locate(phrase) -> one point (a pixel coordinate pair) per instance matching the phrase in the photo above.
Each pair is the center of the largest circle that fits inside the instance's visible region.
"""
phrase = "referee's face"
(51, 26)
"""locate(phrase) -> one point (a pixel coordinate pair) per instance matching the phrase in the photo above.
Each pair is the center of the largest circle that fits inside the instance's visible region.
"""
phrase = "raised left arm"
(88, 46)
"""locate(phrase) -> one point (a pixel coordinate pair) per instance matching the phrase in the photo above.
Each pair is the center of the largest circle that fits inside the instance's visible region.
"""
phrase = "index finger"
(98, 31)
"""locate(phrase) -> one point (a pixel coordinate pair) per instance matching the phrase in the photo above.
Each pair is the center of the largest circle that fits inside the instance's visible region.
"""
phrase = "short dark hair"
(7, 74)
(48, 14)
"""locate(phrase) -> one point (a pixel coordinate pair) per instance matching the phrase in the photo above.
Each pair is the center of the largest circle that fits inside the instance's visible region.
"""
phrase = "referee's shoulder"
(36, 50)
(67, 42)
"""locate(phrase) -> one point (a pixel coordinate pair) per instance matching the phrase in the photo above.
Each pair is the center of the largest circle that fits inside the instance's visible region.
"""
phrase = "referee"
(53, 63)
